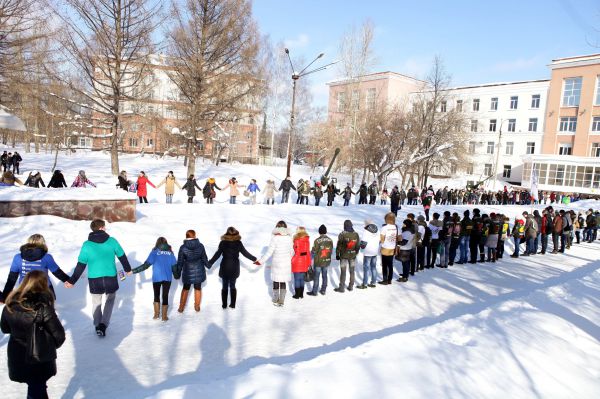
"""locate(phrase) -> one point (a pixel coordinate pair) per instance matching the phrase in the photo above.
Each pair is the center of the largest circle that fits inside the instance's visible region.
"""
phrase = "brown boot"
(197, 299)
(183, 300)
(156, 310)
(165, 309)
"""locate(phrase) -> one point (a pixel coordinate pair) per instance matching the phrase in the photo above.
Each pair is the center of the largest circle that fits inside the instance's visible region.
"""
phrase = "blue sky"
(480, 41)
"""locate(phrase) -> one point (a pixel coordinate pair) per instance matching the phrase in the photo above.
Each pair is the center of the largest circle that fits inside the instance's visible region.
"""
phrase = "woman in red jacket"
(142, 190)
(301, 260)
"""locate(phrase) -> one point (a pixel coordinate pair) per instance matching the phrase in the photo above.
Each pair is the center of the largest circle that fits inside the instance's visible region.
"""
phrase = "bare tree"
(213, 47)
(357, 59)
(107, 44)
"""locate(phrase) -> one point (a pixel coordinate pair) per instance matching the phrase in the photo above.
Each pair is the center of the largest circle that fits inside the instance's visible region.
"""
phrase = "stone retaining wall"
(122, 210)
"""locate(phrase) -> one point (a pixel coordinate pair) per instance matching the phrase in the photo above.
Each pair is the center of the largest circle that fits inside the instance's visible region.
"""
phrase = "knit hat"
(322, 229)
(348, 225)
(420, 218)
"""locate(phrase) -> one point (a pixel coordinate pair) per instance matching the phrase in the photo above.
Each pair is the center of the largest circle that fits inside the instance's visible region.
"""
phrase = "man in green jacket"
(98, 254)
(321, 251)
(346, 250)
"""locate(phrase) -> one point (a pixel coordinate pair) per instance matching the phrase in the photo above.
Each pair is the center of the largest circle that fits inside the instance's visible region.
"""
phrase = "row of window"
(565, 175)
(133, 142)
(371, 95)
(571, 94)
(487, 170)
(475, 105)
(510, 147)
(511, 125)
(569, 124)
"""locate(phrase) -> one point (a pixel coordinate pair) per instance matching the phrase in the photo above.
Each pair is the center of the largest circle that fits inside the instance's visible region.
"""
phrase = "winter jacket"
(98, 255)
(208, 191)
(304, 189)
(253, 188)
(18, 322)
(370, 241)
(82, 182)
(436, 227)
(321, 251)
(558, 225)
(318, 192)
(348, 193)
(348, 245)
(162, 261)
(170, 182)
(230, 248)
(191, 185)
(192, 261)
(301, 259)
(281, 248)
(287, 185)
(373, 190)
(270, 190)
(31, 257)
(34, 181)
(142, 189)
(57, 180)
(530, 227)
(233, 188)
(388, 238)
(123, 183)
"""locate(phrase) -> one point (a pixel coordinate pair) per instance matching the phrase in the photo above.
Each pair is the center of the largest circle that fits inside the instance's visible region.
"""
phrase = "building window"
(494, 104)
(470, 169)
(85, 142)
(487, 169)
(473, 125)
(355, 100)
(341, 101)
(133, 142)
(371, 93)
(476, 104)
(530, 147)
(596, 124)
(597, 90)
(514, 102)
(565, 149)
(459, 104)
(506, 171)
(535, 101)
(443, 106)
(532, 124)
(490, 147)
(492, 125)
(568, 124)
(512, 125)
(510, 148)
(149, 142)
(571, 92)
(453, 168)
(471, 147)
(595, 150)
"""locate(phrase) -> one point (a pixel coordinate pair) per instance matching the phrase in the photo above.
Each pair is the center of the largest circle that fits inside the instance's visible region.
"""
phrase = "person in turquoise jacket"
(98, 254)
(162, 260)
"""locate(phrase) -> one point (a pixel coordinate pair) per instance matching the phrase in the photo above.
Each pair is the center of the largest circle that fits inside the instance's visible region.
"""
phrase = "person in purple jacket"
(32, 256)
(162, 260)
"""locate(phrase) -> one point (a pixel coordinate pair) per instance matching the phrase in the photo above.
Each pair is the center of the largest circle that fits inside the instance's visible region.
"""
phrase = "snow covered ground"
(514, 329)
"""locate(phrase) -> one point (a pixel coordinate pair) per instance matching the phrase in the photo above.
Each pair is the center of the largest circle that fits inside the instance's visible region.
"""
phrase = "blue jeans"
(346, 202)
(232, 200)
(320, 271)
(369, 267)
(445, 255)
(298, 280)
(464, 248)
(517, 243)
(530, 245)
(536, 243)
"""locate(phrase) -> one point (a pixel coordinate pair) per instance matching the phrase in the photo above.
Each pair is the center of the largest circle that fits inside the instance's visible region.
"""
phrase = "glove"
(257, 263)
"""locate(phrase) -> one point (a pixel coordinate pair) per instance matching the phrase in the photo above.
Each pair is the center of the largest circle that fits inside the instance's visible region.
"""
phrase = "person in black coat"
(32, 299)
(191, 185)
(230, 248)
(191, 262)
(34, 180)
(57, 180)
(124, 182)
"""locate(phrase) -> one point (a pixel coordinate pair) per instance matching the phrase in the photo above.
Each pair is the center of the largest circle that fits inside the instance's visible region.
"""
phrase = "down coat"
(301, 259)
(192, 261)
(230, 247)
(281, 248)
(169, 182)
(142, 189)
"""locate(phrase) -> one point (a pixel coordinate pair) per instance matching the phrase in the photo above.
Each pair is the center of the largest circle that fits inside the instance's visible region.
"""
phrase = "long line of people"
(416, 244)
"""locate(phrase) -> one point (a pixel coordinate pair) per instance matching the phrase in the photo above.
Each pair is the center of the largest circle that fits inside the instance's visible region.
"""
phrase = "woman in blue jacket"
(162, 260)
(32, 256)
(191, 262)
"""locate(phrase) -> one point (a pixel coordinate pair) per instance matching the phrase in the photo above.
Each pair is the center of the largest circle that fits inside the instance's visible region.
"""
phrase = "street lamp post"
(498, 154)
(295, 77)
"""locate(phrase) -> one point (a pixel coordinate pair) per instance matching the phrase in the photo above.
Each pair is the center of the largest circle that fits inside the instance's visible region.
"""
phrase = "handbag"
(133, 188)
(41, 347)
(309, 275)
(246, 193)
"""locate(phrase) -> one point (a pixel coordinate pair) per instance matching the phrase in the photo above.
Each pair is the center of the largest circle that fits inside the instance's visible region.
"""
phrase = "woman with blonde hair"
(33, 255)
(32, 303)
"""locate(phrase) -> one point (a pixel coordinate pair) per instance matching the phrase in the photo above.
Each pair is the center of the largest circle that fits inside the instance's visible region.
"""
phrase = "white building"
(506, 121)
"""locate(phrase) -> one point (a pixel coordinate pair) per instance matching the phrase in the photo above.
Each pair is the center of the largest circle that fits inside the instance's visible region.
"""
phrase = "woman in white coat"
(281, 249)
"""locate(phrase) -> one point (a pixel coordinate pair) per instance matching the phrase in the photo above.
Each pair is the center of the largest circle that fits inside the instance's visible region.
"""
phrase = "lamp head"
(287, 51)
(321, 55)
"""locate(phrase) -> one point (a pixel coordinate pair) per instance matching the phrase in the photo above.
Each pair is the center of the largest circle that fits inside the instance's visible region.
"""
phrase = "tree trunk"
(114, 148)
(191, 167)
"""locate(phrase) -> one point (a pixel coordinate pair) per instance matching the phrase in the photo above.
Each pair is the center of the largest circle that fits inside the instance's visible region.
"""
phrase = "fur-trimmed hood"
(32, 252)
(231, 237)
(281, 231)
(300, 234)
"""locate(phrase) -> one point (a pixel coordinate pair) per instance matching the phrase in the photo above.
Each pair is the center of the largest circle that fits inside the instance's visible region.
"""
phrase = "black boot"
(302, 292)
(296, 293)
(224, 298)
(233, 298)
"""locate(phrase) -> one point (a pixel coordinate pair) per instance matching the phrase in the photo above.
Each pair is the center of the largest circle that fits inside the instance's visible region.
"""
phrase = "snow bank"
(62, 194)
